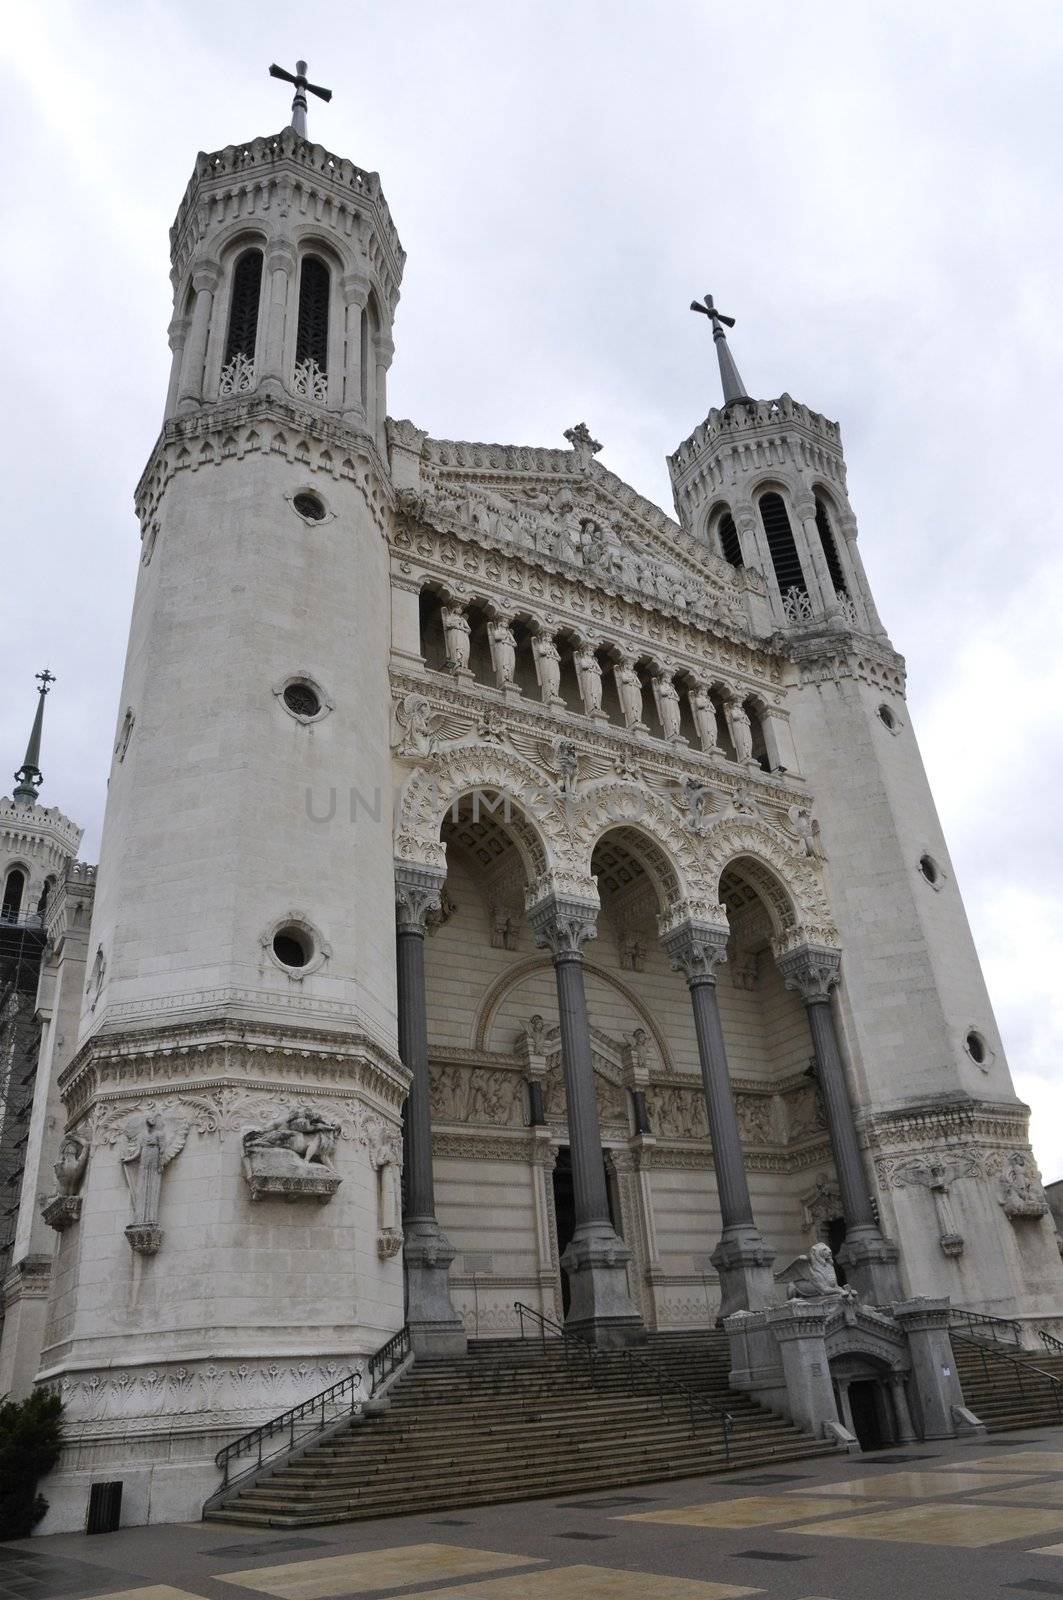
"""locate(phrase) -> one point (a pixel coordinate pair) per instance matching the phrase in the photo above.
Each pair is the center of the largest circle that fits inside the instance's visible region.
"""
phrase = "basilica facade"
(510, 893)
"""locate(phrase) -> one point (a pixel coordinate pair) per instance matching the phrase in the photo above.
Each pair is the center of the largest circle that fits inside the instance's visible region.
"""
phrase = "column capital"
(206, 276)
(280, 256)
(811, 970)
(695, 948)
(417, 892)
(562, 924)
(354, 287)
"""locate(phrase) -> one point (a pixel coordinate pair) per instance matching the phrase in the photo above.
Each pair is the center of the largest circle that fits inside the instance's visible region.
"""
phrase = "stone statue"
(535, 1035)
(668, 706)
(704, 714)
(638, 1053)
(412, 720)
(807, 830)
(308, 1136)
(629, 688)
(568, 763)
(387, 1164)
(589, 675)
(503, 651)
(1021, 1194)
(457, 635)
(819, 1281)
(741, 731)
(700, 802)
(547, 667)
(70, 1168)
(150, 1143)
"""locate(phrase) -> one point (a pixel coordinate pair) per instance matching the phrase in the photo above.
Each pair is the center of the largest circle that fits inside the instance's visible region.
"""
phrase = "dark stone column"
(435, 1326)
(600, 1307)
(870, 1261)
(742, 1258)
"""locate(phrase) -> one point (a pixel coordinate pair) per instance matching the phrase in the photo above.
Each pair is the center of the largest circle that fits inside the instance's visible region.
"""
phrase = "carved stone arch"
(776, 480)
(666, 850)
(514, 790)
(492, 1001)
(232, 241)
(790, 883)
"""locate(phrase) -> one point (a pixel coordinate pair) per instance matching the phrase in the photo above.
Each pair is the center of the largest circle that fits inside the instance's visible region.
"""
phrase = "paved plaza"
(940, 1521)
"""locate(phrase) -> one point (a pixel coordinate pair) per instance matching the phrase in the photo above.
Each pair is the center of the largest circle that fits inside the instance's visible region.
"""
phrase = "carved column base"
(600, 1309)
(743, 1262)
(871, 1266)
(436, 1329)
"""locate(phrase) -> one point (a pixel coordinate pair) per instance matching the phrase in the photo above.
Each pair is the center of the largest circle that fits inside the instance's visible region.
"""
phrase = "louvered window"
(830, 549)
(243, 311)
(729, 541)
(783, 550)
(311, 339)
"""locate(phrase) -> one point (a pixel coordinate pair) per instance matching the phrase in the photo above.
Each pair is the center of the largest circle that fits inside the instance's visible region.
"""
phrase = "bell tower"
(235, 1100)
(763, 483)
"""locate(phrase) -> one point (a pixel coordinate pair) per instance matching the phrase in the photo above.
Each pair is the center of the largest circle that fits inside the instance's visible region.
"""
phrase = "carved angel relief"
(148, 1142)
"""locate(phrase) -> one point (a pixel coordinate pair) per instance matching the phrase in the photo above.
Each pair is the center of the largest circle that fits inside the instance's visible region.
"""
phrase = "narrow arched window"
(46, 895)
(363, 372)
(781, 546)
(311, 338)
(730, 545)
(830, 548)
(243, 307)
(14, 889)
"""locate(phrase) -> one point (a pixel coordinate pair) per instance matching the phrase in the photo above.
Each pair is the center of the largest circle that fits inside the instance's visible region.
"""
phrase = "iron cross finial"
(302, 87)
(708, 309)
(730, 377)
(44, 679)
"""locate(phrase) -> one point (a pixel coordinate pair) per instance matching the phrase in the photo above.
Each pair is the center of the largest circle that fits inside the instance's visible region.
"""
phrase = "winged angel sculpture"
(149, 1141)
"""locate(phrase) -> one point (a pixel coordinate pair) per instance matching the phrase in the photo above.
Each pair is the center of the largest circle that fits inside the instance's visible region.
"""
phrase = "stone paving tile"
(913, 1485)
(748, 1511)
(967, 1526)
(1031, 1494)
(151, 1591)
(360, 1573)
(1021, 1461)
(588, 1583)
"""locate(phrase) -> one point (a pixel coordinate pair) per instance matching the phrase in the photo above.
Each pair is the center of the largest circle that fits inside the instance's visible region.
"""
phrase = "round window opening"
(930, 869)
(976, 1048)
(292, 947)
(886, 716)
(302, 699)
(309, 505)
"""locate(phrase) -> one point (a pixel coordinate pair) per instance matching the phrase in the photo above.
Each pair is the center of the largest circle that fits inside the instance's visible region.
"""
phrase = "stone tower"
(763, 483)
(237, 1081)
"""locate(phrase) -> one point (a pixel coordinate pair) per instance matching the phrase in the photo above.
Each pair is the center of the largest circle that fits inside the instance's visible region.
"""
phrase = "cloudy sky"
(872, 189)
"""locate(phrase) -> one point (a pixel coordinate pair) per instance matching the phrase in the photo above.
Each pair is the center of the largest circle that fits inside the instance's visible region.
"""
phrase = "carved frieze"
(475, 1095)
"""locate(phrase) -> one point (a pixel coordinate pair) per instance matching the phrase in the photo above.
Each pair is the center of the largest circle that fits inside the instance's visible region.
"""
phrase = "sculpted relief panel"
(493, 1098)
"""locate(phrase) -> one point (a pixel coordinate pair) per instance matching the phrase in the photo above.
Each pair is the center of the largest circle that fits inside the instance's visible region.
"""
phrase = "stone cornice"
(221, 1052)
(230, 429)
(964, 1120)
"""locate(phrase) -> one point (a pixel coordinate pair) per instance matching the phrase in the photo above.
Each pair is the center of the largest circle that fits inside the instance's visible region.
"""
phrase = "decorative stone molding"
(61, 1211)
(562, 925)
(319, 949)
(811, 972)
(696, 949)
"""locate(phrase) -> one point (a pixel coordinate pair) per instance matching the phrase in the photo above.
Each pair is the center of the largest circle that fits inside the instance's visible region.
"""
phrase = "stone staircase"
(1003, 1386)
(516, 1419)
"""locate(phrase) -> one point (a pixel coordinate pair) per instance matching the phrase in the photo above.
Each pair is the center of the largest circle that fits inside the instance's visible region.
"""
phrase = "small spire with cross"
(730, 377)
(302, 88)
(28, 778)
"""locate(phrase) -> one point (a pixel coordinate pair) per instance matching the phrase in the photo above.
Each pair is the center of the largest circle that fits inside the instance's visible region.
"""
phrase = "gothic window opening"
(46, 894)
(243, 308)
(830, 548)
(730, 545)
(14, 889)
(311, 340)
(781, 547)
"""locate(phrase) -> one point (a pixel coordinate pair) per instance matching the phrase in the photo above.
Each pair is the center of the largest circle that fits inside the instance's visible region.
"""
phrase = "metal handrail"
(1049, 1340)
(982, 1319)
(1020, 1366)
(572, 1342)
(314, 1414)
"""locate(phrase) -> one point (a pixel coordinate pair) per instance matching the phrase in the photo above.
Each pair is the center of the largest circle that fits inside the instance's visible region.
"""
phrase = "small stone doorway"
(565, 1209)
(871, 1421)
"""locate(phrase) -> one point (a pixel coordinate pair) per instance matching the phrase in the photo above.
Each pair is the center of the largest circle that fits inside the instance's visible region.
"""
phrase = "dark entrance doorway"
(565, 1209)
(867, 1404)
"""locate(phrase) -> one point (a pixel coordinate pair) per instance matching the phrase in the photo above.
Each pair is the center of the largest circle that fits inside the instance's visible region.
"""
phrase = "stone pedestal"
(435, 1327)
(872, 1266)
(936, 1392)
(600, 1308)
(744, 1263)
(800, 1330)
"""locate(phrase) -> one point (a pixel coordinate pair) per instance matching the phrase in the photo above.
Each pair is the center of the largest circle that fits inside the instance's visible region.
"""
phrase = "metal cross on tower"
(730, 377)
(299, 98)
(28, 778)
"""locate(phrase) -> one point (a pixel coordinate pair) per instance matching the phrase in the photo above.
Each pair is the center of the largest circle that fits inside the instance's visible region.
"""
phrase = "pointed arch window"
(14, 889)
(830, 547)
(238, 368)
(311, 332)
(730, 544)
(784, 556)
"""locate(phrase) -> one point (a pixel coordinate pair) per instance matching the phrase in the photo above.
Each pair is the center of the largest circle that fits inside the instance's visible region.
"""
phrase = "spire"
(733, 387)
(28, 778)
(299, 98)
